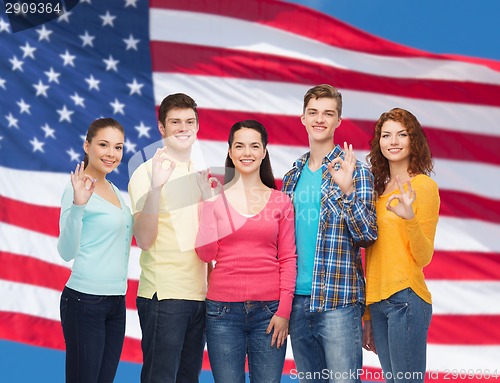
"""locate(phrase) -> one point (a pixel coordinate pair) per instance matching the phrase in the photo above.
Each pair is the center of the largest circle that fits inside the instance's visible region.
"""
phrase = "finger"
(393, 197)
(353, 156)
(411, 192)
(400, 185)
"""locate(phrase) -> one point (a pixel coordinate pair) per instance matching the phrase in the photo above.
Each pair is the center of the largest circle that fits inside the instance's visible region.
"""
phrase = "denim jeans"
(238, 329)
(173, 339)
(327, 346)
(94, 330)
(400, 324)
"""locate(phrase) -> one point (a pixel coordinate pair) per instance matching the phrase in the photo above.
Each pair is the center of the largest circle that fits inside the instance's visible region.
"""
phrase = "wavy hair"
(266, 171)
(420, 153)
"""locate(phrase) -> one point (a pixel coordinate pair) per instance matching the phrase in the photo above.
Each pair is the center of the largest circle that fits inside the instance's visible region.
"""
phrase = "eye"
(102, 144)
(119, 148)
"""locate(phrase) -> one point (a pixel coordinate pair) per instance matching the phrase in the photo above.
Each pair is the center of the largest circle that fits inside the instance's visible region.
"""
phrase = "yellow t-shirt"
(171, 268)
(403, 247)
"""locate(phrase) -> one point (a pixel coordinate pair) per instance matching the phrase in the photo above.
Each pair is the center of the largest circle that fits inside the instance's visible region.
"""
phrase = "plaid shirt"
(346, 224)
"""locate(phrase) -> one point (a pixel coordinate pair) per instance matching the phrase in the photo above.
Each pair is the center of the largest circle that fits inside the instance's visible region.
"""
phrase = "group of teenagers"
(239, 265)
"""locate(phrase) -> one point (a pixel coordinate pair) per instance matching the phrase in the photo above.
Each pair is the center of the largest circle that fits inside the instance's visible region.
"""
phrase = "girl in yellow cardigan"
(399, 305)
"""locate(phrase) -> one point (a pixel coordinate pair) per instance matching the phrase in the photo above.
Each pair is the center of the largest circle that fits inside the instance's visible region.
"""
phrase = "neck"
(247, 182)
(94, 173)
(179, 155)
(398, 169)
(318, 151)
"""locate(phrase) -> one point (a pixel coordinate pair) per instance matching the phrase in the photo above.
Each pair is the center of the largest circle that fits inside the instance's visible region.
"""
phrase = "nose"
(394, 140)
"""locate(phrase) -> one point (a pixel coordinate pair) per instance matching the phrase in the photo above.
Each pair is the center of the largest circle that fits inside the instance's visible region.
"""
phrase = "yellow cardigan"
(404, 247)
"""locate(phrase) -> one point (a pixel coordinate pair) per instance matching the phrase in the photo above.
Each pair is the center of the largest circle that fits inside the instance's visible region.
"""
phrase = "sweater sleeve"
(422, 228)
(70, 226)
(287, 258)
(359, 207)
(207, 244)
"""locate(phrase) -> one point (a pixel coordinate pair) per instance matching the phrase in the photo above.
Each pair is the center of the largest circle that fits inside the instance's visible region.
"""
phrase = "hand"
(210, 187)
(368, 341)
(343, 175)
(81, 193)
(160, 174)
(279, 327)
(404, 207)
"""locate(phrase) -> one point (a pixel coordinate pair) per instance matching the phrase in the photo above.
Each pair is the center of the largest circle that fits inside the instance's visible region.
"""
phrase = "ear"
(303, 120)
(162, 129)
(86, 147)
(338, 123)
(229, 153)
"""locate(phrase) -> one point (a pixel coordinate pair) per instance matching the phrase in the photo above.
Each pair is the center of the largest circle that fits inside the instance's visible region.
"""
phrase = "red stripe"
(288, 130)
(464, 266)
(463, 205)
(230, 63)
(29, 270)
(29, 216)
(464, 330)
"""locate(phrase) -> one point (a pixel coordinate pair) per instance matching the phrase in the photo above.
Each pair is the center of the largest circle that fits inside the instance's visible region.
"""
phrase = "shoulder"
(280, 198)
(143, 170)
(424, 183)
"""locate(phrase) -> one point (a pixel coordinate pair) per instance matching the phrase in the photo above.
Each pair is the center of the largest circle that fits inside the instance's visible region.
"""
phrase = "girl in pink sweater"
(247, 230)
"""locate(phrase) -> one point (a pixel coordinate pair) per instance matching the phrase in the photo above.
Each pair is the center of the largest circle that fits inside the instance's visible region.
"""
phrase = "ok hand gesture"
(81, 193)
(160, 174)
(210, 187)
(404, 207)
(343, 176)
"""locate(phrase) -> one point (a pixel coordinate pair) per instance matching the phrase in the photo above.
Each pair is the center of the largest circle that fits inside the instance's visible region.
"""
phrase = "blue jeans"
(327, 346)
(94, 330)
(400, 324)
(238, 329)
(173, 339)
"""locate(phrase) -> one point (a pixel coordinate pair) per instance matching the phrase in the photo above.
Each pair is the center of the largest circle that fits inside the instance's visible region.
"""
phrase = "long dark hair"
(266, 171)
(420, 153)
(97, 125)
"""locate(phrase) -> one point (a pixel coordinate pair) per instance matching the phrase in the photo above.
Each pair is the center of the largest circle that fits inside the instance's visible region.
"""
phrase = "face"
(395, 142)
(321, 119)
(247, 150)
(105, 151)
(179, 129)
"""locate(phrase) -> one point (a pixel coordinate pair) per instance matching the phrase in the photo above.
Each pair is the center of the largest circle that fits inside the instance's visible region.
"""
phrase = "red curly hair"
(420, 153)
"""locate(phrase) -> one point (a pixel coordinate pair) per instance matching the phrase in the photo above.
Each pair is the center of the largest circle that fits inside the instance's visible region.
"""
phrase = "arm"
(73, 204)
(422, 227)
(207, 244)
(356, 183)
(359, 208)
(287, 259)
(146, 220)
(70, 225)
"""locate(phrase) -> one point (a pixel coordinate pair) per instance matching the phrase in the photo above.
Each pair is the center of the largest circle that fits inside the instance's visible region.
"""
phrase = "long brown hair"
(266, 171)
(420, 153)
(97, 125)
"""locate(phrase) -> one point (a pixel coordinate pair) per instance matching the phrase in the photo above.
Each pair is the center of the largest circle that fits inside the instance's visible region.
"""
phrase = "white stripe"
(44, 303)
(37, 187)
(464, 297)
(43, 247)
(281, 98)
(227, 32)
(449, 360)
(45, 189)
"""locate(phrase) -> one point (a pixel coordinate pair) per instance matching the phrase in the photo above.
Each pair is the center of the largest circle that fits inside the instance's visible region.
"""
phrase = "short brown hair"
(322, 91)
(176, 101)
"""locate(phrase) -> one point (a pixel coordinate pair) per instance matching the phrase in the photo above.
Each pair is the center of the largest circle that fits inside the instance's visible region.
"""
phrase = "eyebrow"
(399, 131)
(252, 143)
(106, 141)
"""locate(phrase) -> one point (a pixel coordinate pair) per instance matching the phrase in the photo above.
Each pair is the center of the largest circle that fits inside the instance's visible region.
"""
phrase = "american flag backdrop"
(241, 59)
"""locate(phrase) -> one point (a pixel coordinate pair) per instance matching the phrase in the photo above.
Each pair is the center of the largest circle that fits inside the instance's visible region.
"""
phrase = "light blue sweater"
(98, 237)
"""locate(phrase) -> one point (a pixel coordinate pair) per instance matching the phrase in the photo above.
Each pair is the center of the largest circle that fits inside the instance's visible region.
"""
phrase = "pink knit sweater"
(255, 257)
